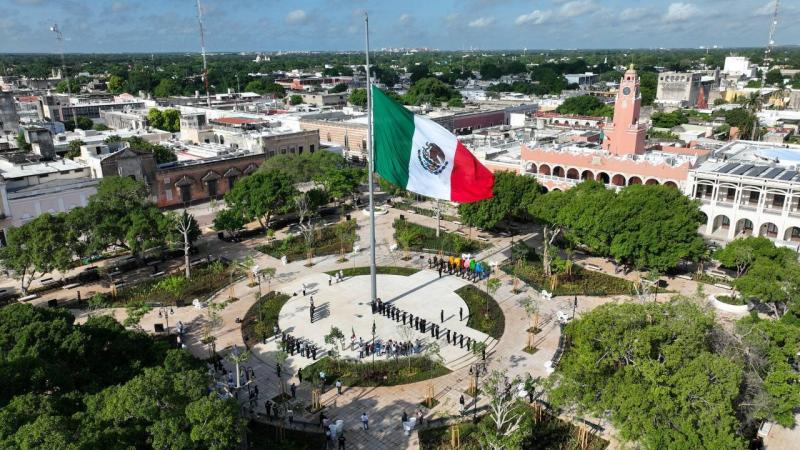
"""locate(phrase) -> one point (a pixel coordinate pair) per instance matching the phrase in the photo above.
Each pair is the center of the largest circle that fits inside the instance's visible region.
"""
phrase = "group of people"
(390, 348)
(398, 315)
(294, 345)
(466, 268)
(338, 276)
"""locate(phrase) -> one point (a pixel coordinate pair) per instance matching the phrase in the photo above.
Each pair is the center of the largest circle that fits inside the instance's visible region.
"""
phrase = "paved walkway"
(383, 404)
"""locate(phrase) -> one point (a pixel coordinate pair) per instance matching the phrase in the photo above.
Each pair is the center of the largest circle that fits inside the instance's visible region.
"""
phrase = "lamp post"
(477, 369)
(164, 312)
(373, 344)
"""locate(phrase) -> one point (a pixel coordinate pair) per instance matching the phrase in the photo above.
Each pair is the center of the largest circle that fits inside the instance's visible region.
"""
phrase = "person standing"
(293, 388)
(268, 408)
(364, 421)
(441, 317)
(341, 441)
(462, 403)
(460, 314)
(339, 387)
(300, 375)
(404, 417)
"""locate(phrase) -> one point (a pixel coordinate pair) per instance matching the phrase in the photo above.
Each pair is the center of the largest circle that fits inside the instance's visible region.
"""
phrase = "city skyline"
(336, 25)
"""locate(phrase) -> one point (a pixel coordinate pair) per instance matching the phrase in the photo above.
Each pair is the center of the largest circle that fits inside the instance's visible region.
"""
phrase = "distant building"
(63, 108)
(126, 119)
(582, 79)
(750, 189)
(322, 99)
(739, 66)
(9, 120)
(678, 89)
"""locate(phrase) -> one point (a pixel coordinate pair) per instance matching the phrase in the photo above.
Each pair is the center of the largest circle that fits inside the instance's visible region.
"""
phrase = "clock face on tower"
(626, 91)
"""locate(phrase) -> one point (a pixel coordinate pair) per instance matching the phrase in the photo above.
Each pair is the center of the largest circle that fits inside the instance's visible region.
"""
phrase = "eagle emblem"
(432, 158)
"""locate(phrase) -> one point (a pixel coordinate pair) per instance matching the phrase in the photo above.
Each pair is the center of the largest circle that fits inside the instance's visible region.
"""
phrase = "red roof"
(235, 120)
(27, 99)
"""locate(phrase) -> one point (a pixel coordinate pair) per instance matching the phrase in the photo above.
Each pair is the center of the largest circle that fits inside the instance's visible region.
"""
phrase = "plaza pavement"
(383, 404)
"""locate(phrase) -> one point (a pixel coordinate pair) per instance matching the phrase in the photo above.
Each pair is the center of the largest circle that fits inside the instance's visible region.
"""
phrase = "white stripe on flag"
(420, 180)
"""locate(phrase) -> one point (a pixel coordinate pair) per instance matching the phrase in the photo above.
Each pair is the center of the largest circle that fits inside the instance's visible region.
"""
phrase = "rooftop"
(764, 160)
(9, 170)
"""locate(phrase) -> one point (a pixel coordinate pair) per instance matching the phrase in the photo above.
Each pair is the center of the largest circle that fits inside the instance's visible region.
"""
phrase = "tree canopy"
(511, 194)
(261, 195)
(430, 90)
(653, 367)
(99, 385)
(358, 97)
(167, 120)
(585, 105)
(645, 226)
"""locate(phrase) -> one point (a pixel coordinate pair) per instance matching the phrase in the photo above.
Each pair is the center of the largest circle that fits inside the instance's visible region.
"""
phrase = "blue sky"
(252, 25)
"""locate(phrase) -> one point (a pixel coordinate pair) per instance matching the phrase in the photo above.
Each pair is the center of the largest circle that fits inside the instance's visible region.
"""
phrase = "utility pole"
(65, 75)
(203, 50)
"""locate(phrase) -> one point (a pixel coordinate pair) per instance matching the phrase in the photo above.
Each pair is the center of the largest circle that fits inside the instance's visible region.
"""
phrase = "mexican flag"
(421, 156)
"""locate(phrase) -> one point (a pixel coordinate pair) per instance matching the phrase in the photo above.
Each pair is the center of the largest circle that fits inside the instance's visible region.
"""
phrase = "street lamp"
(477, 369)
(164, 312)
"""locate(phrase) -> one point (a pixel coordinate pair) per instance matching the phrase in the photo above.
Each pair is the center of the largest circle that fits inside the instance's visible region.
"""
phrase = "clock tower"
(625, 136)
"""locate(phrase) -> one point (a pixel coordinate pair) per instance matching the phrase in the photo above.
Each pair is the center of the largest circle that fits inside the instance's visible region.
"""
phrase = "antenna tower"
(203, 50)
(767, 52)
(60, 39)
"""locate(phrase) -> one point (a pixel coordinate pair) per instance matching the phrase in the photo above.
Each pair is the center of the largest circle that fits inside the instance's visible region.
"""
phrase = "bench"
(28, 297)
(594, 267)
(46, 281)
(723, 286)
(483, 239)
(684, 277)
(70, 286)
(157, 274)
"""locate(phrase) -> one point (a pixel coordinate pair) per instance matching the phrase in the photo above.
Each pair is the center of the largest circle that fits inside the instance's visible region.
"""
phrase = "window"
(777, 201)
(168, 194)
(311, 148)
(753, 197)
(300, 150)
(45, 175)
(78, 170)
(167, 180)
(231, 182)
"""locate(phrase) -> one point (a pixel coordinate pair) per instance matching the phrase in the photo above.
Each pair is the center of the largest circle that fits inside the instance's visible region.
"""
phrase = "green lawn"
(383, 372)
(581, 282)
(492, 324)
(331, 240)
(423, 239)
(380, 270)
(260, 319)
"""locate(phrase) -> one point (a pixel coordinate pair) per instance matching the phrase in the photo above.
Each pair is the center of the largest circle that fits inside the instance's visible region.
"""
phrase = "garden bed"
(380, 270)
(330, 240)
(423, 239)
(581, 282)
(262, 317)
(263, 436)
(492, 324)
(423, 211)
(736, 301)
(383, 372)
(548, 433)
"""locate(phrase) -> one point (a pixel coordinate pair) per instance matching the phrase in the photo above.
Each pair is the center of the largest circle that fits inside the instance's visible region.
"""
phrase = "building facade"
(679, 89)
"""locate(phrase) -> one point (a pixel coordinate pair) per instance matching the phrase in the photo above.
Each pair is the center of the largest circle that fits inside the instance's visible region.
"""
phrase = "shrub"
(330, 240)
(492, 324)
(425, 240)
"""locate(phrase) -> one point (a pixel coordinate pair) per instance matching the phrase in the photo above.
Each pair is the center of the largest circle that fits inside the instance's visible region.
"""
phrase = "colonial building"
(621, 158)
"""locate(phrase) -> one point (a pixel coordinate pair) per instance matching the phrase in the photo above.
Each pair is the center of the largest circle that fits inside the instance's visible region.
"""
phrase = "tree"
(22, 144)
(166, 88)
(74, 149)
(455, 102)
(774, 78)
(304, 167)
(189, 231)
(295, 100)
(492, 285)
(162, 154)
(358, 97)
(503, 428)
(430, 90)
(335, 338)
(490, 71)
(229, 220)
(670, 119)
(340, 87)
(256, 86)
(584, 105)
(37, 248)
(652, 366)
(74, 86)
(418, 72)
(261, 195)
(115, 84)
(340, 184)
(741, 253)
(772, 282)
(511, 194)
(168, 119)
(84, 123)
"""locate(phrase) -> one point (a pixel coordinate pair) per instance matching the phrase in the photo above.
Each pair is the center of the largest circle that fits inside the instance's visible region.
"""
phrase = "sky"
(113, 26)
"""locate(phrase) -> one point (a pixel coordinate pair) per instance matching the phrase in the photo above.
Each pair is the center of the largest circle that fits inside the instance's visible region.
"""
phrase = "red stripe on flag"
(470, 180)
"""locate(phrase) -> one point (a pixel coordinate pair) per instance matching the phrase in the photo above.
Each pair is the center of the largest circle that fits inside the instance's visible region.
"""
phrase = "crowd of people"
(464, 267)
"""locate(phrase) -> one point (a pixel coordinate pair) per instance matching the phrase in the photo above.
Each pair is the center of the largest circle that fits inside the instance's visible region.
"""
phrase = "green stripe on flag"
(393, 129)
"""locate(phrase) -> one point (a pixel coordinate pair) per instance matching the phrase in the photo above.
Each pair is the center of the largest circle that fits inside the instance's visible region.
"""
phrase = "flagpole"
(370, 170)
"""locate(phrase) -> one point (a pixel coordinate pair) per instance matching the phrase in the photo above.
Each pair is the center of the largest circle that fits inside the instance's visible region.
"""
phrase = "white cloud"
(576, 8)
(678, 12)
(405, 19)
(632, 13)
(297, 16)
(536, 17)
(481, 22)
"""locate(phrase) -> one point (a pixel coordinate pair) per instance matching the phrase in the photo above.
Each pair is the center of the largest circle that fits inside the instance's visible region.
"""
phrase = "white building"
(750, 189)
(738, 66)
(28, 189)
